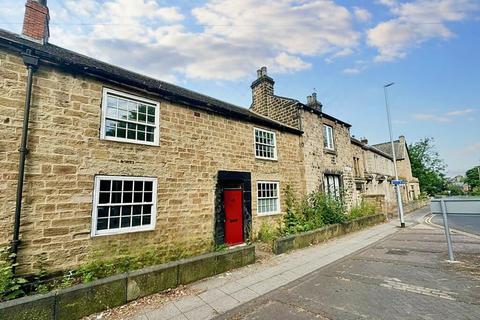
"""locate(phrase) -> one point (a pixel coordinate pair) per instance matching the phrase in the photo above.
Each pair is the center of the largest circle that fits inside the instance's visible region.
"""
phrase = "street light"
(397, 186)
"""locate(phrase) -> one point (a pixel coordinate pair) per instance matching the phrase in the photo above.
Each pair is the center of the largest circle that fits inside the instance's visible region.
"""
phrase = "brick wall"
(66, 153)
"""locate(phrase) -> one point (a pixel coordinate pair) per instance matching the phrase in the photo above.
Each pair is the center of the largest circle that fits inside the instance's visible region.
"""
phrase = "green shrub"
(10, 285)
(362, 210)
(314, 211)
(267, 233)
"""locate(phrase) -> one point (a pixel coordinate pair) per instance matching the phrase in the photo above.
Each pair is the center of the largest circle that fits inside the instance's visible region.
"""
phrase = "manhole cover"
(400, 252)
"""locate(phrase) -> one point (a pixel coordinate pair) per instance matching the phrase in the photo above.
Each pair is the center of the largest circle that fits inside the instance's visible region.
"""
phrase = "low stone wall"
(408, 207)
(302, 240)
(85, 299)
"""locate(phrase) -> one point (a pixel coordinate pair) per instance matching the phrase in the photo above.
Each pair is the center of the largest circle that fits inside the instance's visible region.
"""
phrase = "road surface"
(463, 222)
(405, 276)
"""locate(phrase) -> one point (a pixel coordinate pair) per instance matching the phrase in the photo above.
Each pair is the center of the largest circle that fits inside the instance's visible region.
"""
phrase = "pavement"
(465, 222)
(403, 276)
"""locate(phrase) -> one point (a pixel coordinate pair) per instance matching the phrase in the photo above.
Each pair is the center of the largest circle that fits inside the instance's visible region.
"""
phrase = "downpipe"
(32, 63)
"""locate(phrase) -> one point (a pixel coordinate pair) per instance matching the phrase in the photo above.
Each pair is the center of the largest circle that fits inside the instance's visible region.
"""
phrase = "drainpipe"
(31, 62)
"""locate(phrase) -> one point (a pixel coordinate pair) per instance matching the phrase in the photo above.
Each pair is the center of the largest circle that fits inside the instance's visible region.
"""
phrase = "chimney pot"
(314, 97)
(264, 71)
(364, 141)
(259, 73)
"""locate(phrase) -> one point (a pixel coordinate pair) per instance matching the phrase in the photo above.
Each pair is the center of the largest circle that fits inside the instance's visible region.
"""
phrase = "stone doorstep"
(84, 299)
(302, 240)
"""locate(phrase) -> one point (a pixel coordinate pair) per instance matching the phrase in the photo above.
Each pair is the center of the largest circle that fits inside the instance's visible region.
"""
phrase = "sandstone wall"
(66, 153)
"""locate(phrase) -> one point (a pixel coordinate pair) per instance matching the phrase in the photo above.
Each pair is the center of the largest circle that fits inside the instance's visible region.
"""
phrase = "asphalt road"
(405, 276)
(463, 222)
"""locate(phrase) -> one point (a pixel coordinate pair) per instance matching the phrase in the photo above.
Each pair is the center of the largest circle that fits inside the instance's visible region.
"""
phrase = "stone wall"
(264, 102)
(319, 161)
(65, 153)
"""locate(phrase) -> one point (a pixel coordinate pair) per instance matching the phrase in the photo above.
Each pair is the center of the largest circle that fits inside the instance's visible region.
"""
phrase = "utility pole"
(397, 186)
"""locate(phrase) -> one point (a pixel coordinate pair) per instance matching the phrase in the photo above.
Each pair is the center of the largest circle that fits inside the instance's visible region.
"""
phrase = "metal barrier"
(452, 206)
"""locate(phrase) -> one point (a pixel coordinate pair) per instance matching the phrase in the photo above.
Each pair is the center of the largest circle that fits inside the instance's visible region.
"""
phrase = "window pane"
(126, 222)
(116, 197)
(114, 223)
(105, 185)
(137, 209)
(102, 212)
(116, 185)
(127, 197)
(121, 133)
(115, 211)
(137, 197)
(127, 185)
(147, 209)
(146, 219)
(104, 197)
(136, 220)
(102, 224)
(126, 210)
(138, 185)
(147, 197)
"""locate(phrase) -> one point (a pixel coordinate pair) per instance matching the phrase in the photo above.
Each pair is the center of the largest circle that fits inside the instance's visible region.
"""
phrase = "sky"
(345, 51)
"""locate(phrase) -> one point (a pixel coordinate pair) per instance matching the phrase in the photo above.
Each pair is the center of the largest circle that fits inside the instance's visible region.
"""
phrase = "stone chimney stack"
(35, 21)
(312, 102)
(262, 87)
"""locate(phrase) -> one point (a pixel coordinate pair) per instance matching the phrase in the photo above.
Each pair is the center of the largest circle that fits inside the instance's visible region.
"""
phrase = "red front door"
(233, 203)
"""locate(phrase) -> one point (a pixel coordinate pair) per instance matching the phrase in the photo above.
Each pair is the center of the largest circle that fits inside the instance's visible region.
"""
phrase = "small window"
(124, 204)
(265, 144)
(332, 185)
(129, 118)
(328, 137)
(268, 199)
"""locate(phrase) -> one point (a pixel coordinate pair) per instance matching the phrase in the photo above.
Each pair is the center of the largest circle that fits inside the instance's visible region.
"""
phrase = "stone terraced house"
(112, 162)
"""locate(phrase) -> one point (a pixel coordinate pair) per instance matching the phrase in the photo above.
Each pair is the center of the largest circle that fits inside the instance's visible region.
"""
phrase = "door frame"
(232, 180)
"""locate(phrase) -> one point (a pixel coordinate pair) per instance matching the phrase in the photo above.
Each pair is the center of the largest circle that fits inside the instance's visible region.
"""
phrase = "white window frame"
(120, 230)
(278, 211)
(274, 144)
(328, 132)
(334, 189)
(156, 134)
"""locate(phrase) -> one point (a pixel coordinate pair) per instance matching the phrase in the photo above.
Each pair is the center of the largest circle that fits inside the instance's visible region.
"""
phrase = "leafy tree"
(427, 166)
(472, 177)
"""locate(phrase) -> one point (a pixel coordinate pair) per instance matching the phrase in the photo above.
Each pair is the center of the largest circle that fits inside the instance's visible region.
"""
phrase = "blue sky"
(344, 50)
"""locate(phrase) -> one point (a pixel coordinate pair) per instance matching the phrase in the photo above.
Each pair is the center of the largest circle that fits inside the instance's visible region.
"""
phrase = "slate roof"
(400, 149)
(78, 63)
(372, 148)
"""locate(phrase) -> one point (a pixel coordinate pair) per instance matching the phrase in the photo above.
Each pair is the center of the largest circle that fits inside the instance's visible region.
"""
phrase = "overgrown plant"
(364, 209)
(314, 211)
(10, 285)
(267, 233)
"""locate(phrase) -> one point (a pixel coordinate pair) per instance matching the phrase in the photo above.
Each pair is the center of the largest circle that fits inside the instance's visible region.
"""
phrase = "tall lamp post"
(397, 185)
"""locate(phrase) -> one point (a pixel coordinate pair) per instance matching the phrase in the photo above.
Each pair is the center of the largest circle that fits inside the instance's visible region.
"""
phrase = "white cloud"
(362, 14)
(459, 112)
(416, 22)
(351, 71)
(442, 117)
(431, 117)
(234, 37)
